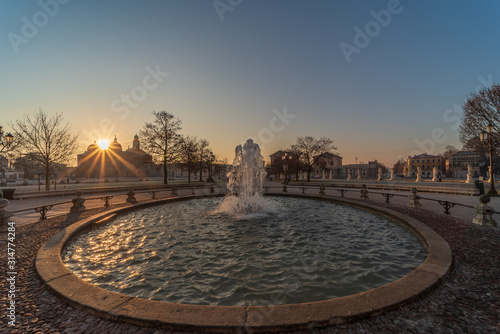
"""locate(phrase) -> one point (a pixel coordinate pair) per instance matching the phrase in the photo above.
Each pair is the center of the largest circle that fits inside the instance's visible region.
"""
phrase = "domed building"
(115, 146)
(114, 162)
(93, 147)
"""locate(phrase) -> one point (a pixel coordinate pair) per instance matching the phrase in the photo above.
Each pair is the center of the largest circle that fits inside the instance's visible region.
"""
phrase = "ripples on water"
(305, 251)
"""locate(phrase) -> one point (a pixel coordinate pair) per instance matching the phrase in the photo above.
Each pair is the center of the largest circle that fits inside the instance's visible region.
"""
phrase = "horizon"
(384, 80)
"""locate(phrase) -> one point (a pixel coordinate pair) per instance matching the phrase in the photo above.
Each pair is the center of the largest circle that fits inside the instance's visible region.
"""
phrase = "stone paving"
(467, 301)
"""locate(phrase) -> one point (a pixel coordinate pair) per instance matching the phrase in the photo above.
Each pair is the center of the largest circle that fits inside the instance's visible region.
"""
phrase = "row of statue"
(436, 176)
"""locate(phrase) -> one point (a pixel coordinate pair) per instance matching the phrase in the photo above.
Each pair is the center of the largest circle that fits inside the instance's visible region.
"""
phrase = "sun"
(103, 144)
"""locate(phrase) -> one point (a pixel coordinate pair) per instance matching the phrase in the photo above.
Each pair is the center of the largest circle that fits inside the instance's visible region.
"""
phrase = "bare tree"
(309, 150)
(203, 147)
(480, 109)
(48, 140)
(187, 153)
(399, 166)
(449, 150)
(161, 139)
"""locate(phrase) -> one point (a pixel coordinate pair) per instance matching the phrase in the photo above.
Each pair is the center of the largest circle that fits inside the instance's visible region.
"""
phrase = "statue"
(392, 174)
(331, 174)
(348, 174)
(419, 174)
(469, 174)
(324, 175)
(359, 174)
(379, 174)
(434, 174)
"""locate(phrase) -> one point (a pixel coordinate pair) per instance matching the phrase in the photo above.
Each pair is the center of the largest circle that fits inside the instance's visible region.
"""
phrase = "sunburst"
(103, 144)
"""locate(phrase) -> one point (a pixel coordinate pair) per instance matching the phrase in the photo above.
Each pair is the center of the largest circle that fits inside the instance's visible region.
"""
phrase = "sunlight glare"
(103, 144)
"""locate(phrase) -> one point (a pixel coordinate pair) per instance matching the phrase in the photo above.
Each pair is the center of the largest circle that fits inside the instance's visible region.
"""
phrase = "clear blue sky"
(229, 68)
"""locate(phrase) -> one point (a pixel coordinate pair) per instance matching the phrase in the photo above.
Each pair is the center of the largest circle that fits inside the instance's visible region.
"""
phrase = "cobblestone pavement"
(467, 301)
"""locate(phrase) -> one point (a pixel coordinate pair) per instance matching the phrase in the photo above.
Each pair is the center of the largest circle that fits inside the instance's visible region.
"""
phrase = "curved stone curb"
(236, 319)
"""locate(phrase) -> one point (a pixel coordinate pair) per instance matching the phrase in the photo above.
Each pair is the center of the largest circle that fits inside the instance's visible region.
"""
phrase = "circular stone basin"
(237, 319)
(302, 251)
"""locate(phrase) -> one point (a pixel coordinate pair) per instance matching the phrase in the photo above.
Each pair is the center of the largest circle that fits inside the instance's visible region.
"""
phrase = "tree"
(295, 164)
(203, 146)
(449, 150)
(187, 153)
(161, 139)
(480, 109)
(309, 150)
(399, 166)
(48, 140)
(27, 163)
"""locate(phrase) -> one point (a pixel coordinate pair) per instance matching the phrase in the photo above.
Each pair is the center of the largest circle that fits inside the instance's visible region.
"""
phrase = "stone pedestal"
(484, 213)
(322, 190)
(414, 199)
(285, 188)
(363, 193)
(131, 197)
(4, 214)
(174, 191)
(78, 203)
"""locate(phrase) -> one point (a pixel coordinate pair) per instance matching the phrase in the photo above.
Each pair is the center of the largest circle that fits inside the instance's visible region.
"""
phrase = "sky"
(382, 79)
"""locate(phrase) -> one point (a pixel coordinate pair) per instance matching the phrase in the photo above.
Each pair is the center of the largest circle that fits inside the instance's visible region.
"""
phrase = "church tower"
(136, 144)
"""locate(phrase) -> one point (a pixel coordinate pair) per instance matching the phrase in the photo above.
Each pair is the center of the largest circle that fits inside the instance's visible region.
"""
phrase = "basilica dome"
(115, 145)
(93, 147)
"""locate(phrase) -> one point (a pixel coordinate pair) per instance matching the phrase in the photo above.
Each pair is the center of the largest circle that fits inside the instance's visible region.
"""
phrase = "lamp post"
(5, 141)
(210, 157)
(487, 137)
(285, 168)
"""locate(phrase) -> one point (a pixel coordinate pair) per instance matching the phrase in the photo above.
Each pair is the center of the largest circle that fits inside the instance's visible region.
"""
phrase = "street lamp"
(6, 140)
(210, 158)
(487, 138)
(285, 168)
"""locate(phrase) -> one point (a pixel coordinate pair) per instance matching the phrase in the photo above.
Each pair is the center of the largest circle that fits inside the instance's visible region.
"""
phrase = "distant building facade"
(367, 171)
(457, 164)
(275, 168)
(329, 163)
(426, 162)
(114, 162)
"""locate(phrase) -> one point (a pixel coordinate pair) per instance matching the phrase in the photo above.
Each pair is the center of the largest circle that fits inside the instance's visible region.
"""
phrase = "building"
(426, 162)
(329, 163)
(457, 164)
(114, 162)
(367, 171)
(275, 168)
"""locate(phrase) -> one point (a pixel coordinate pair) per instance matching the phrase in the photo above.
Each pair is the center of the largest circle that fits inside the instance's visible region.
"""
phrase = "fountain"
(170, 254)
(245, 183)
